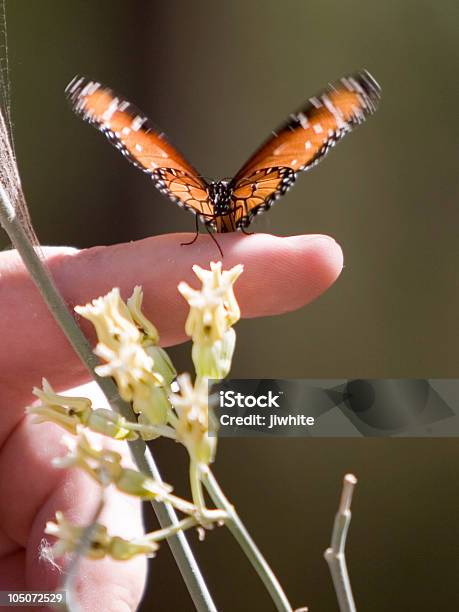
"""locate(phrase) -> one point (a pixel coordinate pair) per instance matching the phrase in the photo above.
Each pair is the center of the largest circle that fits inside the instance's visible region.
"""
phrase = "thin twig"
(141, 454)
(83, 545)
(242, 536)
(335, 555)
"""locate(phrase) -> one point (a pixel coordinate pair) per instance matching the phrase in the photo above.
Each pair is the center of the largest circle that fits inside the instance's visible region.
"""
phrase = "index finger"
(280, 274)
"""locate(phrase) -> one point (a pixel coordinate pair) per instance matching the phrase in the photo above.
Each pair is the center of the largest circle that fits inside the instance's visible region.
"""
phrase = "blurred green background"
(217, 77)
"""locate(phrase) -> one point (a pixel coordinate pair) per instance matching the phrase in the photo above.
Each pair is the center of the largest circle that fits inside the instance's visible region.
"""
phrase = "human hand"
(281, 274)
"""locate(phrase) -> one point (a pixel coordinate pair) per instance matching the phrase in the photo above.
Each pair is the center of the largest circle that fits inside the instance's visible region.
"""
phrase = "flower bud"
(145, 326)
(152, 402)
(140, 485)
(111, 424)
(214, 361)
(163, 365)
(123, 550)
(192, 429)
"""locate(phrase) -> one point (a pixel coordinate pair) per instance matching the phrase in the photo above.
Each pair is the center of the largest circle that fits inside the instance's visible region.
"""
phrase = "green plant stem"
(157, 536)
(196, 487)
(244, 540)
(139, 451)
(335, 555)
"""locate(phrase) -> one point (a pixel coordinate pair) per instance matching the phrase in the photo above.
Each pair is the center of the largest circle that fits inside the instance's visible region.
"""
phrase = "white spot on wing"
(318, 128)
(337, 114)
(113, 106)
(315, 102)
(347, 84)
(356, 85)
(304, 121)
(90, 88)
(75, 84)
(137, 123)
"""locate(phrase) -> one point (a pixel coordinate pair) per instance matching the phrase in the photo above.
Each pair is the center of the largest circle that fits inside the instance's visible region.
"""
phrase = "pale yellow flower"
(145, 326)
(216, 278)
(213, 311)
(150, 338)
(69, 535)
(75, 412)
(192, 428)
(111, 319)
(102, 544)
(104, 466)
(68, 412)
(126, 345)
(213, 308)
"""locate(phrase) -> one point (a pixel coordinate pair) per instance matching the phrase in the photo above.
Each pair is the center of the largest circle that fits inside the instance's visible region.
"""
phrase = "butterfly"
(229, 205)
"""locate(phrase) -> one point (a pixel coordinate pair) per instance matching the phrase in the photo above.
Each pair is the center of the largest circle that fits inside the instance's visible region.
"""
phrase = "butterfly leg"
(214, 239)
(196, 236)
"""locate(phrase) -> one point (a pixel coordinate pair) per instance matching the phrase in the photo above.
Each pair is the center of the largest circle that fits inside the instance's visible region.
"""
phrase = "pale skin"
(280, 275)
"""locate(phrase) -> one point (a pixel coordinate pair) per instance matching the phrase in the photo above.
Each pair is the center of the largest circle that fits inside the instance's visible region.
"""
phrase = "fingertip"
(317, 260)
(322, 251)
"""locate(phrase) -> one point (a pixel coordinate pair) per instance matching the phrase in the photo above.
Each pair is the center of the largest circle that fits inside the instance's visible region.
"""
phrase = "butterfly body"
(220, 193)
(229, 205)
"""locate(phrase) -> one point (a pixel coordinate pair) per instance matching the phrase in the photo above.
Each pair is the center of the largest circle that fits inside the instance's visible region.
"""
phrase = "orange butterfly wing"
(300, 144)
(130, 131)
